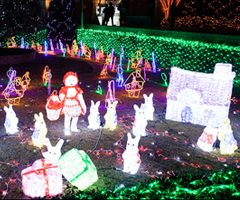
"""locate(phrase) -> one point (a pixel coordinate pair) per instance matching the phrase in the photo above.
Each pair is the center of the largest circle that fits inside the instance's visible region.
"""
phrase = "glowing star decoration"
(94, 117)
(73, 104)
(120, 78)
(136, 85)
(86, 51)
(135, 59)
(11, 120)
(76, 166)
(22, 46)
(75, 46)
(23, 81)
(104, 72)
(42, 179)
(208, 137)
(111, 92)
(140, 122)
(228, 144)
(53, 106)
(46, 75)
(191, 102)
(40, 131)
(11, 42)
(131, 156)
(11, 93)
(147, 65)
(148, 106)
(153, 63)
(33, 46)
(110, 117)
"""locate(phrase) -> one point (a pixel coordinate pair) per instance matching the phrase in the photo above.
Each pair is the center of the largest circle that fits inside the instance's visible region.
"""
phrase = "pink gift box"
(43, 178)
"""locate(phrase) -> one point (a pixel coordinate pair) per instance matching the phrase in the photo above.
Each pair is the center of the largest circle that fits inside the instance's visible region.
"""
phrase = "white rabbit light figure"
(148, 107)
(40, 131)
(11, 120)
(111, 115)
(131, 156)
(94, 117)
(54, 152)
(140, 122)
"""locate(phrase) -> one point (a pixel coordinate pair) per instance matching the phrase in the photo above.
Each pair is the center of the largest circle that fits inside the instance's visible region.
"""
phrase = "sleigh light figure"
(11, 93)
(136, 58)
(136, 85)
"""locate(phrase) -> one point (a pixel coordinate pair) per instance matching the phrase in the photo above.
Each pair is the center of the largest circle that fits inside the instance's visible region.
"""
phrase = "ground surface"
(159, 151)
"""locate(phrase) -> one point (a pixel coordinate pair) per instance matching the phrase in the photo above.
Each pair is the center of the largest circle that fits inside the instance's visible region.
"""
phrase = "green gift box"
(78, 169)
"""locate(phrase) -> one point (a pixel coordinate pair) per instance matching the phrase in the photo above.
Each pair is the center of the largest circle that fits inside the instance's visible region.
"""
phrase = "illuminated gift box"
(195, 97)
(78, 168)
(41, 179)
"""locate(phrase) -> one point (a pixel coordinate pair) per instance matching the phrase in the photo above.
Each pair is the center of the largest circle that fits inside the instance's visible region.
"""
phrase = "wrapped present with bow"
(78, 169)
(41, 179)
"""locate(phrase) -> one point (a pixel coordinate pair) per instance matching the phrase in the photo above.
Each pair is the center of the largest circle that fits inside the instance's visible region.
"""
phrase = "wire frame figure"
(136, 85)
(75, 46)
(11, 94)
(86, 51)
(23, 81)
(11, 42)
(104, 72)
(46, 75)
(135, 59)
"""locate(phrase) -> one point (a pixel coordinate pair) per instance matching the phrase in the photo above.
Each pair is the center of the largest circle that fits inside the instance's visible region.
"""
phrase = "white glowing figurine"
(94, 117)
(208, 137)
(228, 144)
(72, 101)
(54, 152)
(40, 131)
(148, 107)
(140, 122)
(11, 120)
(111, 116)
(131, 156)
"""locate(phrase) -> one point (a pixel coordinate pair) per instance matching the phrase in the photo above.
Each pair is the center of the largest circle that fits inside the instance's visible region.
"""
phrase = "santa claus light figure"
(73, 104)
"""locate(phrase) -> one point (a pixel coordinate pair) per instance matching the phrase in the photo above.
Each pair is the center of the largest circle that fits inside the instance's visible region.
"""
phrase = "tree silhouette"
(166, 4)
(61, 21)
